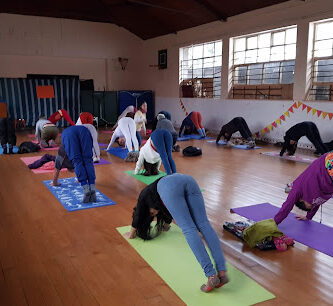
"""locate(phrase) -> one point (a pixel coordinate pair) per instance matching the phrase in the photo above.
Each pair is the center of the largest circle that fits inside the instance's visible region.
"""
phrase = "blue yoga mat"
(311, 233)
(242, 147)
(192, 136)
(118, 151)
(15, 149)
(70, 195)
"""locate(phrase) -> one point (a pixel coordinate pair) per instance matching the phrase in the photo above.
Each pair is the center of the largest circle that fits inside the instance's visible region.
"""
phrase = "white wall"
(258, 113)
(43, 45)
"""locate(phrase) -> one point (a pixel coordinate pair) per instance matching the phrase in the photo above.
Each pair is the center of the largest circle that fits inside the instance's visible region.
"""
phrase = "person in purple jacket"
(310, 190)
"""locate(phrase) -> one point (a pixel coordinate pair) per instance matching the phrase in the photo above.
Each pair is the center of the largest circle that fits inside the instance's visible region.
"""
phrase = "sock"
(93, 197)
(200, 132)
(86, 191)
(204, 132)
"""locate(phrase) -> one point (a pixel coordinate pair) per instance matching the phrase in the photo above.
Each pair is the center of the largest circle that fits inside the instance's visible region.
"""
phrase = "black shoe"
(4, 150)
(10, 151)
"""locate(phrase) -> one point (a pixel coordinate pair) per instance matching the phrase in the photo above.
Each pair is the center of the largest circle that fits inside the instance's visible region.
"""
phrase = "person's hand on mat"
(129, 235)
(301, 218)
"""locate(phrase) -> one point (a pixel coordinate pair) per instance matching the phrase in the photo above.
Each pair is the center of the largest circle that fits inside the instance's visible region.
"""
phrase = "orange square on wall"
(45, 91)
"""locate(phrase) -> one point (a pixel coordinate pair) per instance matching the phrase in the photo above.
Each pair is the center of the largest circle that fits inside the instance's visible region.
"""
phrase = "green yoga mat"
(171, 257)
(146, 179)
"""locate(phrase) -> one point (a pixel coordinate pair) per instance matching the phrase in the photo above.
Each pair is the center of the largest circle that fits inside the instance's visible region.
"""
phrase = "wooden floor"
(49, 256)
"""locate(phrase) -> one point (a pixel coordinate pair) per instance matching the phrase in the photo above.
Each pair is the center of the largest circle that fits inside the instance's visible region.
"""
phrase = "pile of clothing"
(263, 235)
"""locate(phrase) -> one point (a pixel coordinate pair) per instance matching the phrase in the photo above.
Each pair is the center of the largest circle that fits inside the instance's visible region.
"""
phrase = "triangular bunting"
(278, 121)
(295, 105)
(308, 108)
(283, 118)
(266, 129)
(287, 113)
(319, 113)
(291, 109)
(324, 115)
(299, 104)
(274, 124)
(270, 127)
(330, 115)
(263, 131)
(303, 107)
(314, 111)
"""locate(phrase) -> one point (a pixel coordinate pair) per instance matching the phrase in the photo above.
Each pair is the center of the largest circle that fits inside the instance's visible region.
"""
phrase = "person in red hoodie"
(58, 115)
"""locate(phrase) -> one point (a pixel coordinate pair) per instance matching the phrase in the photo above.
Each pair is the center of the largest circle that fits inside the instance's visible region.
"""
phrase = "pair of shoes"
(4, 150)
(280, 244)
(93, 198)
(223, 281)
(251, 144)
(212, 282)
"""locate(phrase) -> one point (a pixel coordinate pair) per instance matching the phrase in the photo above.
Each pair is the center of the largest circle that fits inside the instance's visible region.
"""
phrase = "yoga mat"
(296, 158)
(31, 159)
(242, 147)
(118, 151)
(15, 149)
(311, 233)
(70, 195)
(102, 145)
(172, 259)
(107, 132)
(192, 136)
(146, 179)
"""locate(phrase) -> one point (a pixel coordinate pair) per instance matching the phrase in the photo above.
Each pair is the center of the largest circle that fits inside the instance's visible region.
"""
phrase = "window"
(263, 65)
(200, 70)
(322, 62)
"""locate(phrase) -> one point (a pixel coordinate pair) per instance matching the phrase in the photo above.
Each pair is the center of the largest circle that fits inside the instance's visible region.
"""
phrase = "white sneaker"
(251, 144)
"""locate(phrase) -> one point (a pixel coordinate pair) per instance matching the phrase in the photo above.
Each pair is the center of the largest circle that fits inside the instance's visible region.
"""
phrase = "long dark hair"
(144, 228)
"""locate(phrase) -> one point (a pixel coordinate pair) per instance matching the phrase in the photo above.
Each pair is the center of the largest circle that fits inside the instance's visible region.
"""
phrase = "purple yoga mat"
(313, 234)
(102, 162)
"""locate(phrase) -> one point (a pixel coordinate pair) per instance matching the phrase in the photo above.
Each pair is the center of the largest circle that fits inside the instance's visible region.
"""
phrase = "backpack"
(192, 151)
(28, 147)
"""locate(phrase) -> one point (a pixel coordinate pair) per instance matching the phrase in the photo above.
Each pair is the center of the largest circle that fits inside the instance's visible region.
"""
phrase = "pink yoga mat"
(296, 158)
(47, 149)
(31, 159)
(313, 234)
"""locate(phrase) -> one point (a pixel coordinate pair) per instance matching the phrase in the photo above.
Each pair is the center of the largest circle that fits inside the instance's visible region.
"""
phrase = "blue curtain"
(22, 102)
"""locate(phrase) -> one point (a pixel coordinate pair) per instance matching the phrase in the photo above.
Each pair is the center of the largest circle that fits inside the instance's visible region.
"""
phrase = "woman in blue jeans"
(178, 196)
(162, 142)
(78, 144)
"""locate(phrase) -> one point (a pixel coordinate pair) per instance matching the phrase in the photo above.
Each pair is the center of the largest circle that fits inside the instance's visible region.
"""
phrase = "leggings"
(40, 162)
(128, 129)
(61, 113)
(162, 141)
(182, 197)
(196, 119)
(7, 132)
(313, 135)
(242, 127)
(78, 145)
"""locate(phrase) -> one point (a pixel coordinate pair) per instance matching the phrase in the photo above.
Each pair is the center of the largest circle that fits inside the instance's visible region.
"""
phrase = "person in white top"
(126, 128)
(148, 154)
(140, 121)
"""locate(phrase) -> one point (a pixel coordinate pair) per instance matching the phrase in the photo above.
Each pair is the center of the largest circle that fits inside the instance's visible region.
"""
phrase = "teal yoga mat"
(172, 259)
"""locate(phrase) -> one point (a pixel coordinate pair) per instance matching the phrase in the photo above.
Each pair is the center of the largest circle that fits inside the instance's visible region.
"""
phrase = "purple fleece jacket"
(314, 185)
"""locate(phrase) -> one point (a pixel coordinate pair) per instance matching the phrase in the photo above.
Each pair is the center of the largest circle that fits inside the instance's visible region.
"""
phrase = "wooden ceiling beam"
(212, 9)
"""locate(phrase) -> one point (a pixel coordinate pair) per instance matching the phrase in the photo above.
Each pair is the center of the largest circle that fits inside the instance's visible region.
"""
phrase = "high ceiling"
(145, 18)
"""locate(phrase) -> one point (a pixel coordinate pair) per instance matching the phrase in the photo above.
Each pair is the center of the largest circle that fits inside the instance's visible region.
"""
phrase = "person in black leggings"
(237, 124)
(308, 129)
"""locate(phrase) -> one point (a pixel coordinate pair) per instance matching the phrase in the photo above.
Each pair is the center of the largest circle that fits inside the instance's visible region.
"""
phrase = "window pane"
(287, 72)
(208, 62)
(278, 38)
(239, 58)
(208, 72)
(218, 61)
(264, 55)
(218, 48)
(240, 44)
(323, 48)
(291, 36)
(209, 50)
(324, 30)
(272, 73)
(255, 74)
(321, 92)
(187, 53)
(324, 71)
(197, 64)
(290, 51)
(240, 75)
(197, 73)
(264, 40)
(198, 51)
(277, 53)
(251, 56)
(252, 42)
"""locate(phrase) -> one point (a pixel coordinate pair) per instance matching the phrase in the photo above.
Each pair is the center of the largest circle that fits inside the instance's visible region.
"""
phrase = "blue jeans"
(181, 195)
(78, 145)
(162, 141)
(138, 136)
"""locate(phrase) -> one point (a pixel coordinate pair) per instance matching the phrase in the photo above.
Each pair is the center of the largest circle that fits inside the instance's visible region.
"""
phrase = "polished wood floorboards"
(49, 256)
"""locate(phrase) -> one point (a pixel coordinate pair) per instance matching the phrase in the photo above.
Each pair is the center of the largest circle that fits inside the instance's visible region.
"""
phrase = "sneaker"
(4, 150)
(251, 144)
(10, 151)
(93, 198)
(212, 282)
(223, 281)
(176, 148)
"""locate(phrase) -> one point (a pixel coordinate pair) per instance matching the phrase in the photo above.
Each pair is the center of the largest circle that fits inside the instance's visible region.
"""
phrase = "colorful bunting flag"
(319, 113)
(314, 111)
(324, 115)
(299, 104)
(330, 115)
